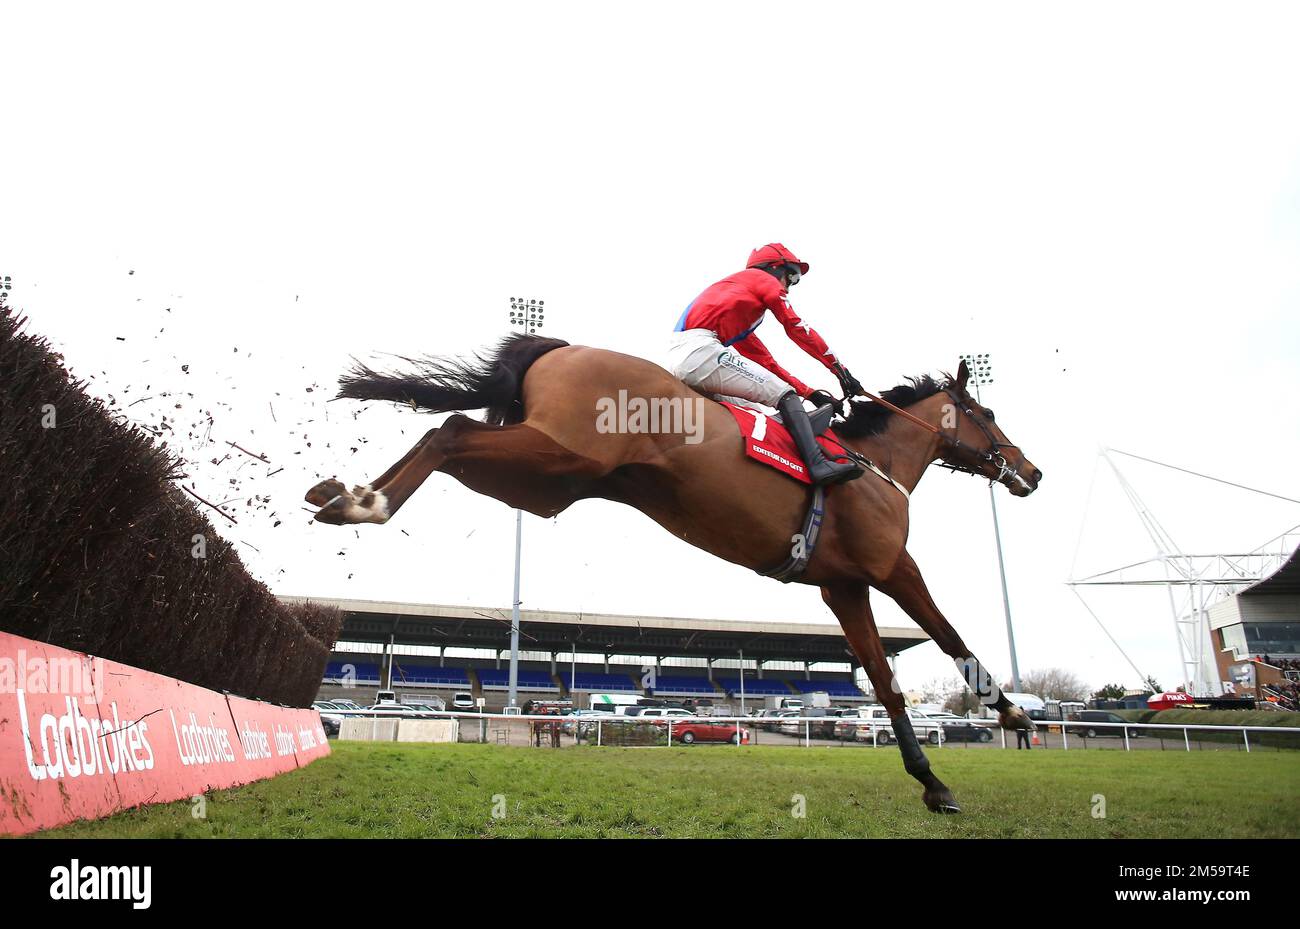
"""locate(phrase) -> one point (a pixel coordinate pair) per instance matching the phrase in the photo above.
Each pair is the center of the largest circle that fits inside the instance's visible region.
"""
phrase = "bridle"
(992, 454)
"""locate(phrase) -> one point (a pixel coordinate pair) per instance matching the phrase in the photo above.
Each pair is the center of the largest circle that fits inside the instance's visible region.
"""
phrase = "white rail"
(603, 719)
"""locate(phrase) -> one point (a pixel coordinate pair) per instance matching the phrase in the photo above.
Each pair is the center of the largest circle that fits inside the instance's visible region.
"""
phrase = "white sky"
(1104, 198)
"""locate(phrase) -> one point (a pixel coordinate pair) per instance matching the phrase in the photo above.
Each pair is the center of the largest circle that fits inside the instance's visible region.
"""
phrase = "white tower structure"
(1193, 581)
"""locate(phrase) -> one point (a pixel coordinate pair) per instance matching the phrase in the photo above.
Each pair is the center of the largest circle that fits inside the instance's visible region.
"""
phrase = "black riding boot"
(821, 469)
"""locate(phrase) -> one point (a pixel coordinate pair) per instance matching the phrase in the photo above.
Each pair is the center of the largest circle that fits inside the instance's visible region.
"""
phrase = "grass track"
(365, 790)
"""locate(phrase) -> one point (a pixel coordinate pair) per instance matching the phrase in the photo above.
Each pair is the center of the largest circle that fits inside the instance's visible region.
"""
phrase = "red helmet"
(775, 253)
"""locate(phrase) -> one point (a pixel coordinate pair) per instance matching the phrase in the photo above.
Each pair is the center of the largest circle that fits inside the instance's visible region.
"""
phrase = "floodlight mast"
(526, 317)
(981, 374)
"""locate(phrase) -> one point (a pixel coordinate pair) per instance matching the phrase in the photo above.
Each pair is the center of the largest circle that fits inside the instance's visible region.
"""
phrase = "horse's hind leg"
(907, 588)
(327, 490)
(852, 607)
(518, 465)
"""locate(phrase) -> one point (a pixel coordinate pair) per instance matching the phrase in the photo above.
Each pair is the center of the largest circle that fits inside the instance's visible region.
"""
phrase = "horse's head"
(974, 442)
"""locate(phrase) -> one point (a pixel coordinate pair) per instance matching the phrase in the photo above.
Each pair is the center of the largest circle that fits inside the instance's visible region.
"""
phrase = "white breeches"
(698, 358)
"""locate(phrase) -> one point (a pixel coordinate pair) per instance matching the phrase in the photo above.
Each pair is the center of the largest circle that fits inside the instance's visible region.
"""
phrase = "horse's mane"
(867, 417)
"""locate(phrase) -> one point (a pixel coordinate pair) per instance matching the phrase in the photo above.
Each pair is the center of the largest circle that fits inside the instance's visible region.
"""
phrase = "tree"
(1109, 692)
(934, 690)
(953, 694)
(961, 701)
(1052, 684)
(1154, 687)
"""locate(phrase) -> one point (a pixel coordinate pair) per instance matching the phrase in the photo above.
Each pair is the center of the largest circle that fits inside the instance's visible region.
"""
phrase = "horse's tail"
(492, 383)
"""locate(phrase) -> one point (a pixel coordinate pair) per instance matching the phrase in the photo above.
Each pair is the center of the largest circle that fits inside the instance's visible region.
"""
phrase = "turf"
(398, 790)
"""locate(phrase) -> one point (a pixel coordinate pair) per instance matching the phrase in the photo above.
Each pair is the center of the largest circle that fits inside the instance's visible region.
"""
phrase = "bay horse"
(543, 445)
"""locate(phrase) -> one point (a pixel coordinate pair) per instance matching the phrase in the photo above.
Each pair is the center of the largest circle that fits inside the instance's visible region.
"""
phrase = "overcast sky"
(1104, 198)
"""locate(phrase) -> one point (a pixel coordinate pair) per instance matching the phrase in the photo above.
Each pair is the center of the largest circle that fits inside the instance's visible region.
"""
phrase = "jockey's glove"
(851, 385)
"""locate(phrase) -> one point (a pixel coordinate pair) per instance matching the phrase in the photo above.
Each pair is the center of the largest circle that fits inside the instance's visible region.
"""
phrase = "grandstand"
(1256, 637)
(438, 649)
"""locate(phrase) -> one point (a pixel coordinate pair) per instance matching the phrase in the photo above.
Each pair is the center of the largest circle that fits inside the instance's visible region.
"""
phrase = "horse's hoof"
(941, 801)
(1016, 719)
(347, 510)
(335, 511)
(324, 492)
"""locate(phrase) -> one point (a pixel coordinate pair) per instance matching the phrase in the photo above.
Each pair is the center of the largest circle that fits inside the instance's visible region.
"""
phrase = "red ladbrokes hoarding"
(81, 737)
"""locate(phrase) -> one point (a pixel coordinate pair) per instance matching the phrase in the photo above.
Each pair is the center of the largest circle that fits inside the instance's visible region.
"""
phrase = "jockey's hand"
(820, 398)
(851, 385)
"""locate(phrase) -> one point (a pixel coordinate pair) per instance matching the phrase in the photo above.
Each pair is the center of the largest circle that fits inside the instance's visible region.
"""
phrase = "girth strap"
(794, 566)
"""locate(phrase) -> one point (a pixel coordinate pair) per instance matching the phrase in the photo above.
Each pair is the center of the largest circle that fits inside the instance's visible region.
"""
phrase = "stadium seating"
(362, 672)
(527, 679)
(430, 676)
(754, 686)
(586, 680)
(681, 684)
(836, 688)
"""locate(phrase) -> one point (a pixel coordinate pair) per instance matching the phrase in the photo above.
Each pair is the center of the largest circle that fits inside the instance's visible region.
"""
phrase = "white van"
(613, 703)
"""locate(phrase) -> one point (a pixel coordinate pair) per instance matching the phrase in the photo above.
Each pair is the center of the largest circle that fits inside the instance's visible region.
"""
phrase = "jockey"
(715, 350)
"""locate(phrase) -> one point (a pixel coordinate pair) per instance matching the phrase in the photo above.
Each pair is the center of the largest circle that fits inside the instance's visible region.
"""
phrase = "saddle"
(776, 448)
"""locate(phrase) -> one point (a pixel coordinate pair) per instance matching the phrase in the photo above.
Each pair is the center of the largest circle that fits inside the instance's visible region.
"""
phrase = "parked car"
(344, 704)
(331, 722)
(658, 712)
(846, 727)
(960, 729)
(463, 702)
(880, 731)
(581, 721)
(1082, 728)
(399, 710)
(426, 707)
(822, 727)
(787, 722)
(699, 730)
(826, 728)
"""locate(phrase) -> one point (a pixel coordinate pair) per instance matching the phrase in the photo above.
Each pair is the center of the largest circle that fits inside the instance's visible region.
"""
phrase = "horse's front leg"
(852, 607)
(907, 588)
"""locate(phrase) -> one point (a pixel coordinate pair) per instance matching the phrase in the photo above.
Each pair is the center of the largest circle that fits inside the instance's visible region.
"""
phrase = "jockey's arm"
(753, 349)
(803, 334)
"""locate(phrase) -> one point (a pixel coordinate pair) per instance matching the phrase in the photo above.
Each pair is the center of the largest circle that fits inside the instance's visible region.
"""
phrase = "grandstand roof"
(607, 633)
(1285, 580)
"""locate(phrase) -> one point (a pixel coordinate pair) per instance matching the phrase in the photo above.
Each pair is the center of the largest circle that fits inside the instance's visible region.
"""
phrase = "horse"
(545, 443)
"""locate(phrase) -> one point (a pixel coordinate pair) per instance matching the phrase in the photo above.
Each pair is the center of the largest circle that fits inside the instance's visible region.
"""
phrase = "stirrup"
(834, 472)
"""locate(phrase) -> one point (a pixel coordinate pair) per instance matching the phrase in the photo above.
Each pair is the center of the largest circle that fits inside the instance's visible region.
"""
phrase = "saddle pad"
(768, 441)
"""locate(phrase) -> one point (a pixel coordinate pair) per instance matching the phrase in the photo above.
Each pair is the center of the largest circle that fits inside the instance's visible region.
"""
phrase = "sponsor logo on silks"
(728, 360)
(103, 882)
